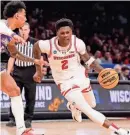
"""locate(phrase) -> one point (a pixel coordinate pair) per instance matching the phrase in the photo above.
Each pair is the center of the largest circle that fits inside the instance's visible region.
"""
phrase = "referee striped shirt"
(26, 49)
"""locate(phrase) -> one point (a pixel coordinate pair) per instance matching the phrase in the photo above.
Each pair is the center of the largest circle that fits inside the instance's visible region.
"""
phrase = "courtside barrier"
(50, 103)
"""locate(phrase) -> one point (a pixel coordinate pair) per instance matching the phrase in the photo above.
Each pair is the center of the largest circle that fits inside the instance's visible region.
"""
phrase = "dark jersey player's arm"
(37, 55)
(16, 54)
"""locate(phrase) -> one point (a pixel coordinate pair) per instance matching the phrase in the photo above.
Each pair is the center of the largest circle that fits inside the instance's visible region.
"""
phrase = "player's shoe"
(122, 131)
(31, 132)
(76, 114)
(28, 132)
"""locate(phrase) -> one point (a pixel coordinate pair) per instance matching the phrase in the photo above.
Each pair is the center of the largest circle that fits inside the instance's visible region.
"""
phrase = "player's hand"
(40, 74)
(18, 39)
(41, 62)
(37, 77)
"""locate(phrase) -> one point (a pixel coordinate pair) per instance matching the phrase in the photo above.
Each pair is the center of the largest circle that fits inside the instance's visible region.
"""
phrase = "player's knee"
(93, 104)
(15, 92)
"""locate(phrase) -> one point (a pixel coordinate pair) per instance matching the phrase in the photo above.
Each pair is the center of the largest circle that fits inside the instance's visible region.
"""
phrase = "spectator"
(117, 59)
(127, 60)
(117, 67)
(98, 56)
(125, 73)
(107, 59)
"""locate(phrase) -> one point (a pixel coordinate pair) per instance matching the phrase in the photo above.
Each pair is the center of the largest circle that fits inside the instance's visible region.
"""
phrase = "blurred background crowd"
(104, 27)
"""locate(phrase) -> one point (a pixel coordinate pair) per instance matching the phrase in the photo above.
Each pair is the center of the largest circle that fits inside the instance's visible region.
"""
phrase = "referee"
(23, 75)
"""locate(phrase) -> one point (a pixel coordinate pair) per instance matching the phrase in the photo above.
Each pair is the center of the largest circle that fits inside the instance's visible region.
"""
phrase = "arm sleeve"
(5, 30)
(44, 45)
(5, 34)
(81, 47)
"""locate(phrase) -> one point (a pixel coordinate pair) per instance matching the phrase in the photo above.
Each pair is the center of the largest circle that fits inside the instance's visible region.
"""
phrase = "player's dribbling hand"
(37, 77)
(41, 62)
(39, 74)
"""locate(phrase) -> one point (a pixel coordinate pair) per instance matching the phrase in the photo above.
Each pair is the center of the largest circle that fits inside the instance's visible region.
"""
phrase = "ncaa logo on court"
(54, 51)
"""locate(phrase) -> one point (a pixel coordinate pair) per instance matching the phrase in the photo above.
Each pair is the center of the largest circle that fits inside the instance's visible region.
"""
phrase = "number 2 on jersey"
(64, 64)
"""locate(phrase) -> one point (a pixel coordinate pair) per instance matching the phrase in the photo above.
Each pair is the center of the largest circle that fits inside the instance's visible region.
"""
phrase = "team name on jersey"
(62, 58)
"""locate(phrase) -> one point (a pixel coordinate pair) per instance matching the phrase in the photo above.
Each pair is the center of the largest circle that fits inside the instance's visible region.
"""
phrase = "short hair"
(26, 23)
(124, 68)
(63, 22)
(13, 7)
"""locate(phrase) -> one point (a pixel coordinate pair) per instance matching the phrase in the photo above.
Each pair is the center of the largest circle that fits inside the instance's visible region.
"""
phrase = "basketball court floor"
(68, 127)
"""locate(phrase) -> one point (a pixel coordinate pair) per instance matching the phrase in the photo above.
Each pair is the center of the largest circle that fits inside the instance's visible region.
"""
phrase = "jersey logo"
(71, 52)
(63, 52)
(65, 57)
(30, 46)
(55, 52)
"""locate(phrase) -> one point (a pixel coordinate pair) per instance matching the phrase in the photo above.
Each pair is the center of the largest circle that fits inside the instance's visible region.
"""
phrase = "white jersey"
(64, 61)
(5, 33)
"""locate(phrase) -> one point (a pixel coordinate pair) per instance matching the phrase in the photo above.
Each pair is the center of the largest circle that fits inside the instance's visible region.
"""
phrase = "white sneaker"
(122, 131)
(76, 114)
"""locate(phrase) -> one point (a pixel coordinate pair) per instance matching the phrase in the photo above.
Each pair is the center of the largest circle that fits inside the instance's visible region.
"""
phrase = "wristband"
(90, 61)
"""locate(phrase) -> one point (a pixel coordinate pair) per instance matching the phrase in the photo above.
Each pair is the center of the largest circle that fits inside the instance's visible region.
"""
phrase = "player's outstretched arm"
(40, 71)
(16, 54)
(91, 62)
(37, 55)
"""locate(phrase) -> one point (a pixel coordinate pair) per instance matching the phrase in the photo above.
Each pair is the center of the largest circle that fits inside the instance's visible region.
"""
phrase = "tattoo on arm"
(16, 54)
(37, 55)
(95, 65)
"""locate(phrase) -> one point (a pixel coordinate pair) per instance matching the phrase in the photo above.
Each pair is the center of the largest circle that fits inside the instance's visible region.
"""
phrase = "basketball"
(108, 78)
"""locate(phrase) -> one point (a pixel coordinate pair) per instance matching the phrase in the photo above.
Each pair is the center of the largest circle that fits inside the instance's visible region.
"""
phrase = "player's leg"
(90, 98)
(76, 113)
(88, 95)
(9, 86)
(78, 99)
(11, 122)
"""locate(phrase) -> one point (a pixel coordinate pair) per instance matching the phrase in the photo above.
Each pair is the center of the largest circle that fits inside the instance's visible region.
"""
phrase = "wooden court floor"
(68, 127)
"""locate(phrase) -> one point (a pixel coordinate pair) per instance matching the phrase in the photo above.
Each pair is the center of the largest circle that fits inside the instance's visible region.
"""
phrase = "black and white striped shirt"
(27, 50)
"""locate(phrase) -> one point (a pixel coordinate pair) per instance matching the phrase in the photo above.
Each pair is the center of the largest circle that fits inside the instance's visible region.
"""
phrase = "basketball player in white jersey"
(16, 16)
(64, 52)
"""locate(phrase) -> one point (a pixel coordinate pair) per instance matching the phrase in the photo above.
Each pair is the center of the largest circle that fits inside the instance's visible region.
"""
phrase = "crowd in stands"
(105, 32)
(104, 26)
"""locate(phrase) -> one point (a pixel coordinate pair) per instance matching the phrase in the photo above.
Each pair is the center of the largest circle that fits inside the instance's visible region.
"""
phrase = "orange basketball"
(108, 78)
